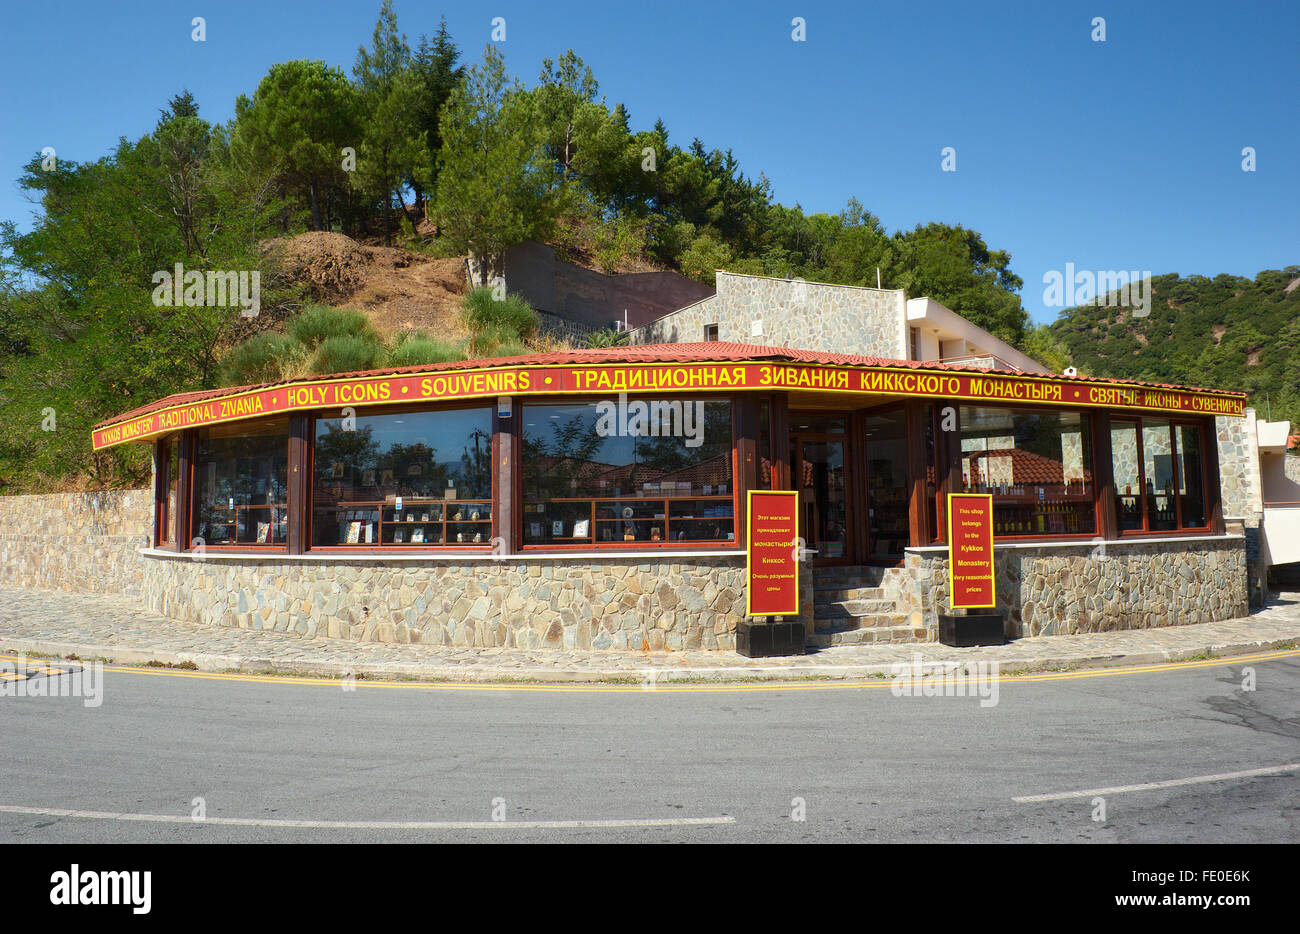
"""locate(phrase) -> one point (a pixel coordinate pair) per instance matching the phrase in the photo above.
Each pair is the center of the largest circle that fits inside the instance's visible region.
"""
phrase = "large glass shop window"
(413, 479)
(241, 480)
(1037, 465)
(168, 471)
(1159, 474)
(887, 482)
(639, 471)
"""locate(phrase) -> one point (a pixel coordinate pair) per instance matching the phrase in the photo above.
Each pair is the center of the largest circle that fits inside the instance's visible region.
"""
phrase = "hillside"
(1227, 332)
(453, 160)
(396, 288)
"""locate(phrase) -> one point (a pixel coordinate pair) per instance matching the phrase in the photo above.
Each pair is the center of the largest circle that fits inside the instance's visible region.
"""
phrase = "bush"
(416, 351)
(491, 321)
(509, 349)
(319, 323)
(346, 353)
(264, 358)
(606, 337)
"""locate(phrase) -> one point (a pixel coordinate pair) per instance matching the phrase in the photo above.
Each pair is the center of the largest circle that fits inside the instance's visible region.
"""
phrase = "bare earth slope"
(398, 289)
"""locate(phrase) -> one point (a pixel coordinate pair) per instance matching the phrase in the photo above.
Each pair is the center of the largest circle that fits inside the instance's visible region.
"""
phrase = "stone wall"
(1239, 466)
(81, 542)
(1291, 467)
(591, 298)
(1242, 490)
(687, 325)
(573, 331)
(794, 313)
(561, 603)
(1064, 589)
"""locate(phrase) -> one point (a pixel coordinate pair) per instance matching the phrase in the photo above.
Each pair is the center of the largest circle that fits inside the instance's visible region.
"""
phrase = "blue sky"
(1117, 155)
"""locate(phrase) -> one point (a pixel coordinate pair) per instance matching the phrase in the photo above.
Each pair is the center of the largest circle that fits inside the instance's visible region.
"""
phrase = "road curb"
(213, 662)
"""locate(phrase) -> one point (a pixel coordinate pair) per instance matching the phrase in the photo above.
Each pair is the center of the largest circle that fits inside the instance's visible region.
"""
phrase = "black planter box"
(765, 640)
(971, 629)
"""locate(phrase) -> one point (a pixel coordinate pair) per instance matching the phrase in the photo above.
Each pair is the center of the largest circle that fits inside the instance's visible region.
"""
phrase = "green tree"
(1044, 346)
(954, 265)
(492, 189)
(437, 74)
(86, 335)
(565, 100)
(298, 123)
(393, 146)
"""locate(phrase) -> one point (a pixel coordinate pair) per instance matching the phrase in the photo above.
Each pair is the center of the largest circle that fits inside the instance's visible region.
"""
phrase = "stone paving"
(115, 628)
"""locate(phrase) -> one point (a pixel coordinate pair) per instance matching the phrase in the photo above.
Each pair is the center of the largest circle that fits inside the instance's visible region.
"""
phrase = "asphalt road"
(868, 766)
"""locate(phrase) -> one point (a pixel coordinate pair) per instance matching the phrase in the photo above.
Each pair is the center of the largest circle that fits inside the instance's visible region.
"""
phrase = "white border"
(481, 557)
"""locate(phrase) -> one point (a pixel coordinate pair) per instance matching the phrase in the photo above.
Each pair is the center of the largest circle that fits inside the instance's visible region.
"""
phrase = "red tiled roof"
(710, 351)
(1027, 468)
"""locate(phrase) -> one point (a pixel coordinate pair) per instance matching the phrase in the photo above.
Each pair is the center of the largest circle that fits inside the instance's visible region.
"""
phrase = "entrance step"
(872, 635)
(848, 575)
(850, 607)
(844, 609)
(843, 594)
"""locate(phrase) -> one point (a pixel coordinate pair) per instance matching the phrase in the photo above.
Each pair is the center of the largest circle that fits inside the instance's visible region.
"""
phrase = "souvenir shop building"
(596, 499)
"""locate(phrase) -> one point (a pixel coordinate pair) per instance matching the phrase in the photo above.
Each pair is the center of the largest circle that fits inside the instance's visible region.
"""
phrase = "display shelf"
(609, 520)
(420, 521)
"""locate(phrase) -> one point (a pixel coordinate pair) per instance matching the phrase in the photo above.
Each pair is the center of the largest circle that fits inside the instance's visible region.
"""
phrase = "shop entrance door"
(818, 469)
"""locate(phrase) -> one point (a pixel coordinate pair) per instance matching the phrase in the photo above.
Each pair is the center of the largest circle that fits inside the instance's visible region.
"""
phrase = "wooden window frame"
(583, 546)
(192, 494)
(867, 539)
(955, 458)
(441, 547)
(1212, 519)
(165, 522)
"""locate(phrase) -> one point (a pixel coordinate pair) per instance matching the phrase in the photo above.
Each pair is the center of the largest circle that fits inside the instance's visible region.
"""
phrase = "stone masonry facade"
(1067, 589)
(1242, 491)
(90, 542)
(621, 604)
(82, 542)
(1291, 468)
(794, 313)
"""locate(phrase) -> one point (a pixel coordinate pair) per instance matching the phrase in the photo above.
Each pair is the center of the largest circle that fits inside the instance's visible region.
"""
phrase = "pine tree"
(438, 74)
(493, 188)
(393, 145)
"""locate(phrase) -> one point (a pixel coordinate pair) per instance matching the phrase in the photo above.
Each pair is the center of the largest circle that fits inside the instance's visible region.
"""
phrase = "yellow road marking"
(29, 670)
(663, 683)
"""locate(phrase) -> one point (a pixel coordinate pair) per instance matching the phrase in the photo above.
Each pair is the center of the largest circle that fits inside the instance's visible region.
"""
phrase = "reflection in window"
(887, 486)
(1127, 477)
(168, 472)
(824, 495)
(1191, 489)
(241, 479)
(1159, 475)
(649, 471)
(1036, 465)
(402, 480)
